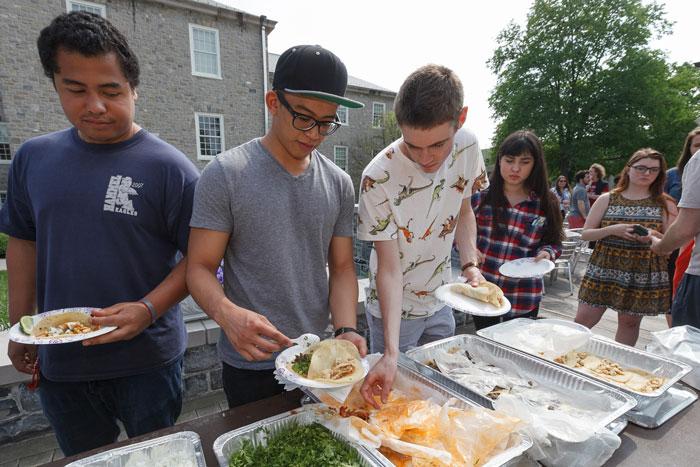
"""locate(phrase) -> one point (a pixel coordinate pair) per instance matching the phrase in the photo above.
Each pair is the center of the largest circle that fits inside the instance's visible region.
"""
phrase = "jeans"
(413, 332)
(84, 414)
(245, 386)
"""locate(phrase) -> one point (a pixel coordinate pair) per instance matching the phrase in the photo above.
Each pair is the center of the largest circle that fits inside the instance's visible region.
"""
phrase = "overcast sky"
(382, 41)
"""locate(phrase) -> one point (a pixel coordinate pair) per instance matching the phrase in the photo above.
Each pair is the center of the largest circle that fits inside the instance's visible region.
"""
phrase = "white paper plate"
(288, 355)
(17, 335)
(469, 305)
(526, 267)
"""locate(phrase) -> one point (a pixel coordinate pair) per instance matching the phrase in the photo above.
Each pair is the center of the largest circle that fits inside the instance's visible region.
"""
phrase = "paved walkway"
(556, 303)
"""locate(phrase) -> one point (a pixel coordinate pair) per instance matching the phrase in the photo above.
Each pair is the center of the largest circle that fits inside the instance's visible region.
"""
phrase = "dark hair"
(556, 184)
(656, 189)
(518, 144)
(89, 35)
(580, 175)
(430, 96)
(686, 154)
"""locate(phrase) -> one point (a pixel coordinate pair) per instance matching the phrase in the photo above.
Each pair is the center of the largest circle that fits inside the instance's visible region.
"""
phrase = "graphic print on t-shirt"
(119, 189)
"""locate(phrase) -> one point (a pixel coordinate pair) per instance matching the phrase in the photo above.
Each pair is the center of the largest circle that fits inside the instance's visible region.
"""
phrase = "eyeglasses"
(304, 122)
(643, 169)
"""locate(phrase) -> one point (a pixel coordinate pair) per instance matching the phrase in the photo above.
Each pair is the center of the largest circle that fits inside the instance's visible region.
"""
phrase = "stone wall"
(202, 372)
(20, 413)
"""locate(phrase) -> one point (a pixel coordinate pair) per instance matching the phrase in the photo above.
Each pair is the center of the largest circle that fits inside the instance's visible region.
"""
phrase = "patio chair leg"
(571, 284)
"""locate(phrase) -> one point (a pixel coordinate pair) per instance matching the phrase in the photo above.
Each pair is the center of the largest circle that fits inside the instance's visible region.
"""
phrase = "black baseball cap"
(311, 70)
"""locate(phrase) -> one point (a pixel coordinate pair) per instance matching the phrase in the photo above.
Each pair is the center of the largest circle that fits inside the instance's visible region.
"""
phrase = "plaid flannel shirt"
(521, 238)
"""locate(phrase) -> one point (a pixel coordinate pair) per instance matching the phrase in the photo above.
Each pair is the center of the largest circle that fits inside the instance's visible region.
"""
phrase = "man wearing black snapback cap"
(278, 213)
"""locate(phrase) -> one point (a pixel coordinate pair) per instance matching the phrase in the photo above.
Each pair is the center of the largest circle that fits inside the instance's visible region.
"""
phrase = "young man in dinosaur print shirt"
(414, 202)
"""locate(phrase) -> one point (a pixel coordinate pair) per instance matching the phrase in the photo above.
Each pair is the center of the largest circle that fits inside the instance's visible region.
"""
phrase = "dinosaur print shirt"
(399, 202)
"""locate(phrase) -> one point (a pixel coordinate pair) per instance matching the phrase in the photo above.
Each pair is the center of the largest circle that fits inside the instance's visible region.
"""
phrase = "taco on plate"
(65, 324)
(485, 292)
(330, 361)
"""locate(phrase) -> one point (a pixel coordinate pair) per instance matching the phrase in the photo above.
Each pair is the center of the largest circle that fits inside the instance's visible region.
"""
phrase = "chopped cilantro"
(298, 445)
(301, 364)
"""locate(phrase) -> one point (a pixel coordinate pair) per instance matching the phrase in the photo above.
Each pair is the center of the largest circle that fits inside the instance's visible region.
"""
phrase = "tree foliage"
(581, 74)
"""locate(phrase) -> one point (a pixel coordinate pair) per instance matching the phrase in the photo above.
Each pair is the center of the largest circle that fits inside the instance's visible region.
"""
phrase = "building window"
(342, 114)
(378, 109)
(3, 198)
(340, 157)
(5, 154)
(89, 7)
(204, 51)
(210, 135)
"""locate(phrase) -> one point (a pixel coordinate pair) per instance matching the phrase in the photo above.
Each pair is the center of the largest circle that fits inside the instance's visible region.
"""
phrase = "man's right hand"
(252, 334)
(22, 356)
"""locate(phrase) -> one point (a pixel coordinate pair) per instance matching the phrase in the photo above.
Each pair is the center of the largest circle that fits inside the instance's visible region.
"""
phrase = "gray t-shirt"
(579, 194)
(281, 228)
(690, 199)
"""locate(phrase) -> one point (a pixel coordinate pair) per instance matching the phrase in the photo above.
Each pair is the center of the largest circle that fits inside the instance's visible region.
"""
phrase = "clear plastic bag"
(679, 343)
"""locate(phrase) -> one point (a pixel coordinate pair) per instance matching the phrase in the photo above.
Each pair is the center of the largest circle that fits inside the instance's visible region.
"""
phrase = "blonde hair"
(599, 170)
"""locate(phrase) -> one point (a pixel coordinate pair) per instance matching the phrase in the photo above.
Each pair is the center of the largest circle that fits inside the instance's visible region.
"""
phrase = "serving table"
(674, 443)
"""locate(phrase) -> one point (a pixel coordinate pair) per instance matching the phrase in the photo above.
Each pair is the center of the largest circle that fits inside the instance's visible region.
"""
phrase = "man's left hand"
(473, 276)
(130, 318)
(357, 340)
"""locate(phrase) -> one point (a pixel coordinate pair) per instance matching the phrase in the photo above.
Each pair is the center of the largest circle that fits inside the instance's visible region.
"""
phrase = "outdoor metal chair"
(565, 261)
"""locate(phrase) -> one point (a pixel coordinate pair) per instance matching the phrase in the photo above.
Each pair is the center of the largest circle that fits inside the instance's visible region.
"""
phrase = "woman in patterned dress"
(623, 273)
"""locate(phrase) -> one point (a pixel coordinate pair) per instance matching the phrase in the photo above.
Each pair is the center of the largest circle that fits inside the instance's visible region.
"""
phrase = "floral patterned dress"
(626, 275)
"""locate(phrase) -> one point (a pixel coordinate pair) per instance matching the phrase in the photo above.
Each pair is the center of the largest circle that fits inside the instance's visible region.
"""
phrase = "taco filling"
(64, 325)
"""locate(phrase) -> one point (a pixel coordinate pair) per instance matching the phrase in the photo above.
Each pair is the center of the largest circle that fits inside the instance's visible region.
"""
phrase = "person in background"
(281, 213)
(517, 217)
(673, 188)
(596, 185)
(96, 215)
(623, 273)
(563, 193)
(579, 205)
(414, 203)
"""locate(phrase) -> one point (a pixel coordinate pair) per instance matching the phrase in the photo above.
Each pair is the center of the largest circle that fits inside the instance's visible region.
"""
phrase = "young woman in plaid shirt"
(517, 217)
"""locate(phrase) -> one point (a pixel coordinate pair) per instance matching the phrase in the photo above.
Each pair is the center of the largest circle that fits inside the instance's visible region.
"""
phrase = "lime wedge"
(26, 323)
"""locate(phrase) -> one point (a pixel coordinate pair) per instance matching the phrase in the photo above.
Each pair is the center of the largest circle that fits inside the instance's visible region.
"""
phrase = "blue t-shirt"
(108, 221)
(579, 194)
(672, 187)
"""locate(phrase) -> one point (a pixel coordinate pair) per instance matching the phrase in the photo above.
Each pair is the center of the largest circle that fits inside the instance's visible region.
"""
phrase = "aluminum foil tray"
(623, 354)
(183, 449)
(411, 380)
(542, 371)
(258, 432)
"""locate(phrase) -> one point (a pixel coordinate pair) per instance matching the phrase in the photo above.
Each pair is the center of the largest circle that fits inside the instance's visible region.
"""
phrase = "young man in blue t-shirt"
(96, 215)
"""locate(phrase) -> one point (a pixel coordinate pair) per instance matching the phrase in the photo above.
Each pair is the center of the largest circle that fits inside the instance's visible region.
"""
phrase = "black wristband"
(343, 330)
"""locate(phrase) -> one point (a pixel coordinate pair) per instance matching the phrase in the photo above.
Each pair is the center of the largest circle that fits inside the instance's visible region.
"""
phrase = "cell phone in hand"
(639, 230)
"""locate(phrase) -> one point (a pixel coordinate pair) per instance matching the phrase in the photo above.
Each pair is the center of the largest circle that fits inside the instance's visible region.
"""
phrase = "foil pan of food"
(427, 421)
(493, 370)
(297, 437)
(183, 449)
(641, 374)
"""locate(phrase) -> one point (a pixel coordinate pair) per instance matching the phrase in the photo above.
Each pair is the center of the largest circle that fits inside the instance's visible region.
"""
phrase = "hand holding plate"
(357, 340)
(130, 318)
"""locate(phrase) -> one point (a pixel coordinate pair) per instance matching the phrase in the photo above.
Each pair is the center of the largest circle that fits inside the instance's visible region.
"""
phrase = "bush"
(3, 245)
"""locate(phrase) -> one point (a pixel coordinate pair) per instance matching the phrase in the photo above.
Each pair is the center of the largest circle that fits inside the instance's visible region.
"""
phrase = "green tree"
(370, 144)
(582, 76)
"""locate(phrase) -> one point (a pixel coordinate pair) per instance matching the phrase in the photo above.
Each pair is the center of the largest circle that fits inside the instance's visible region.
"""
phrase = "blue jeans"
(84, 414)
(413, 332)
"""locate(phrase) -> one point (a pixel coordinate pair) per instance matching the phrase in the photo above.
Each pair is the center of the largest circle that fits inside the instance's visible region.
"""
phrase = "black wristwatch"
(343, 330)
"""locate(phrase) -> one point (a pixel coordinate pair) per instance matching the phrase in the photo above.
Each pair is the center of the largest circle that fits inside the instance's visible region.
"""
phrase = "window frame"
(201, 74)
(5, 131)
(200, 156)
(347, 156)
(100, 6)
(347, 115)
(381, 123)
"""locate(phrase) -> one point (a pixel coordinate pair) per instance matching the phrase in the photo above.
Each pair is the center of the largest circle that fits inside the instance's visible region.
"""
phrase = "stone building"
(202, 72)
(362, 134)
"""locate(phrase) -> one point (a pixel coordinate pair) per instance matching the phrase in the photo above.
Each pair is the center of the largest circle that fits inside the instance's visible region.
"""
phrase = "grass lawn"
(4, 321)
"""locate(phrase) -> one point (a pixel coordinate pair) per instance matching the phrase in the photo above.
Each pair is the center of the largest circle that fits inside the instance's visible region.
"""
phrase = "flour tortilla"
(55, 320)
(485, 292)
(335, 361)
